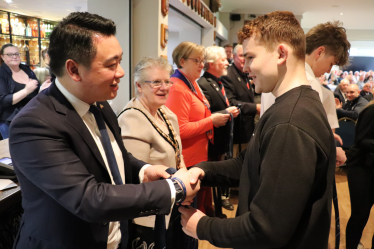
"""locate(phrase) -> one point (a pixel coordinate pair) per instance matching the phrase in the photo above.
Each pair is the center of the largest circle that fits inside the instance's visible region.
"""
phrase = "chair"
(346, 131)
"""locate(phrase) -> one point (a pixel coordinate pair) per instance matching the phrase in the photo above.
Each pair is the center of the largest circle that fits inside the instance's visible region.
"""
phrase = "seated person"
(354, 105)
(339, 92)
(366, 90)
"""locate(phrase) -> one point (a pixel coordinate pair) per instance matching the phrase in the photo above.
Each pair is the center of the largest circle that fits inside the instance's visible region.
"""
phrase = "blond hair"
(184, 50)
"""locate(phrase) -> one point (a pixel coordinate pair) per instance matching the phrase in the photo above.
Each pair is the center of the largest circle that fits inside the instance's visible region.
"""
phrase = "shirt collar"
(209, 75)
(309, 70)
(80, 106)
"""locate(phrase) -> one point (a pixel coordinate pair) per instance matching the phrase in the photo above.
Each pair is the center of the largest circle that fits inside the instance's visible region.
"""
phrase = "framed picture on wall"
(164, 35)
(165, 7)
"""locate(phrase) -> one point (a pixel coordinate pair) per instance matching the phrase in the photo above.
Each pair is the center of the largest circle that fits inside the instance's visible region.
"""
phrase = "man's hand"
(45, 85)
(196, 174)
(338, 104)
(189, 219)
(155, 172)
(340, 157)
(233, 110)
(338, 138)
(191, 189)
(258, 108)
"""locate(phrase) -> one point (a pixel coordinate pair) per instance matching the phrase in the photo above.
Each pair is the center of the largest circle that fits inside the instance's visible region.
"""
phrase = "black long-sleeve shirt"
(285, 177)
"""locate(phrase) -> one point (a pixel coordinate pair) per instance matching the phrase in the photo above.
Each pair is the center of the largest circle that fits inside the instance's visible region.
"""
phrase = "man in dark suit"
(215, 67)
(339, 92)
(239, 91)
(366, 90)
(80, 187)
(354, 104)
(228, 50)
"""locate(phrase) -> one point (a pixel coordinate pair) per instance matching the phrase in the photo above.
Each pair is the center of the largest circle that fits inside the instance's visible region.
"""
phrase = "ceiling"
(48, 9)
(358, 14)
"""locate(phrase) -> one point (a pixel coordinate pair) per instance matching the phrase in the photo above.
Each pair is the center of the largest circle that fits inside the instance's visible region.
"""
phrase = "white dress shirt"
(82, 108)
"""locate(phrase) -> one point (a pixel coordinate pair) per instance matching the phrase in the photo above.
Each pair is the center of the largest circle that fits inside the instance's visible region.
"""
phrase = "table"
(10, 207)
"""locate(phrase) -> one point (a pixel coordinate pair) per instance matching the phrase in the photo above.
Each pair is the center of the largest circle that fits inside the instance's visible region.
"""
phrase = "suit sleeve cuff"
(141, 172)
(173, 193)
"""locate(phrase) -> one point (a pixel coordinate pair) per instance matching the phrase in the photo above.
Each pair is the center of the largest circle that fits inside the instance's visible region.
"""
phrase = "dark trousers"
(361, 190)
(4, 129)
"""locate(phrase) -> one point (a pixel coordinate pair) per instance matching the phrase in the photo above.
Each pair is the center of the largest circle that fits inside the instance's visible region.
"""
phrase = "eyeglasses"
(156, 84)
(197, 61)
(12, 55)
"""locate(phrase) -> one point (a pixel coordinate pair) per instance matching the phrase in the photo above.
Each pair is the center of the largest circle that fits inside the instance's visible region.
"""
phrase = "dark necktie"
(105, 140)
(160, 226)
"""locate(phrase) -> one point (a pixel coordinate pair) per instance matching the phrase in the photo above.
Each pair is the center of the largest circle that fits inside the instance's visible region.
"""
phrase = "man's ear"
(320, 52)
(72, 68)
(282, 54)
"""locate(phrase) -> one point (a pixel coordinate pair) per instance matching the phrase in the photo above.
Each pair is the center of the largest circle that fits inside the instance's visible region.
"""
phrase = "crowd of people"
(91, 179)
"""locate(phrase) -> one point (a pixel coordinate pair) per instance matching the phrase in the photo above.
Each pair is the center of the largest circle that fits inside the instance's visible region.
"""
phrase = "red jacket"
(193, 119)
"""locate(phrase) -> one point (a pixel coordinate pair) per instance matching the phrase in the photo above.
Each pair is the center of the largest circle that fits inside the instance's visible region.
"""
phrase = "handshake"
(188, 180)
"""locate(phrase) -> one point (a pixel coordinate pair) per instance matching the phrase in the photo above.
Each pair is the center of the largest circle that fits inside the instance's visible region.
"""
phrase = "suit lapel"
(216, 88)
(63, 107)
(243, 83)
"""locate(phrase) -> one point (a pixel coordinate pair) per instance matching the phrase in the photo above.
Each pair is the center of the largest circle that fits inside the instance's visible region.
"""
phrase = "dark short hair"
(3, 48)
(72, 39)
(333, 37)
(228, 46)
(274, 28)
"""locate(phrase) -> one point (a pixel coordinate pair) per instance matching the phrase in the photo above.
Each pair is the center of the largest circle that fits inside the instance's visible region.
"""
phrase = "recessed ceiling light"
(341, 14)
(9, 1)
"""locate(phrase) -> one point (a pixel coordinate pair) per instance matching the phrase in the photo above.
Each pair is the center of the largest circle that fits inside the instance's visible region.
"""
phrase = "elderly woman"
(150, 132)
(195, 120)
(18, 85)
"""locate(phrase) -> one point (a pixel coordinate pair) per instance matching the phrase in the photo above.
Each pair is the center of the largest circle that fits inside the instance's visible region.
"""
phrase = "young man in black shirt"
(286, 175)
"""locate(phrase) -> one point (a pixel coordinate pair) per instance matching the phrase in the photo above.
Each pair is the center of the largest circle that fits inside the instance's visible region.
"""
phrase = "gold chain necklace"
(171, 140)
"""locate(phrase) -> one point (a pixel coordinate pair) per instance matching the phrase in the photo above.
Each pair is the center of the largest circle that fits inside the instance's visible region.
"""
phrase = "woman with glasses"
(18, 85)
(150, 132)
(196, 122)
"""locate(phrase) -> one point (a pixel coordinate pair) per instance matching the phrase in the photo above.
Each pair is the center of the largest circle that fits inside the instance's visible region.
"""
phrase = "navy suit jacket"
(67, 195)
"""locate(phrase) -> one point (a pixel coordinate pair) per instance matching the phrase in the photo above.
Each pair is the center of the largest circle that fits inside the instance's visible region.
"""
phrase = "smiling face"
(100, 82)
(351, 92)
(261, 65)
(219, 67)
(152, 97)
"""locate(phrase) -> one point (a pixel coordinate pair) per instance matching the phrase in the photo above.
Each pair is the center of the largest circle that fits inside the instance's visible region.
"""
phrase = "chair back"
(346, 131)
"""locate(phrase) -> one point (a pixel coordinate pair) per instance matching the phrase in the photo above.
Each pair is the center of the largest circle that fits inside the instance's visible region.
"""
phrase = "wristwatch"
(180, 195)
